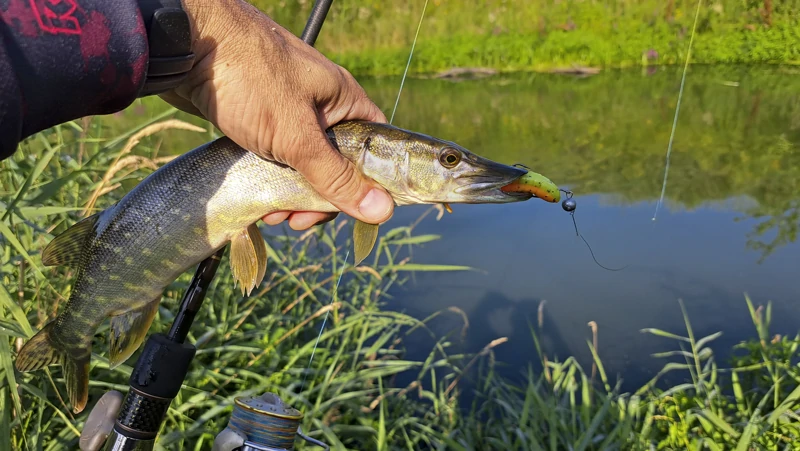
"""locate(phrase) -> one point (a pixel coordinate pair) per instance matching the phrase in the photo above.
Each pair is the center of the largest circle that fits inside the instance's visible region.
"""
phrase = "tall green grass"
(360, 391)
(246, 345)
(751, 404)
(374, 37)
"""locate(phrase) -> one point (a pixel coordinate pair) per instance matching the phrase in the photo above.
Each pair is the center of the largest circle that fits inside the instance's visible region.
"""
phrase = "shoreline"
(460, 73)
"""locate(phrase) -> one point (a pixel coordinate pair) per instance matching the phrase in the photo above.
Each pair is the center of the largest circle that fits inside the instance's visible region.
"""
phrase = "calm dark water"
(728, 227)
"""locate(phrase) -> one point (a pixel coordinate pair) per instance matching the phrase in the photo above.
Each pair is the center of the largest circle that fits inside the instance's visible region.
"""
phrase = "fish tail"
(41, 351)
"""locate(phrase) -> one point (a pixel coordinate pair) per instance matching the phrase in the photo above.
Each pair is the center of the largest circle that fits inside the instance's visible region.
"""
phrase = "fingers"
(336, 178)
(332, 175)
(306, 219)
(300, 220)
(282, 113)
(276, 217)
(359, 104)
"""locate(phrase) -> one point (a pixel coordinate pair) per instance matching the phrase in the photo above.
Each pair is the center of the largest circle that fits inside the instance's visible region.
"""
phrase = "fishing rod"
(258, 423)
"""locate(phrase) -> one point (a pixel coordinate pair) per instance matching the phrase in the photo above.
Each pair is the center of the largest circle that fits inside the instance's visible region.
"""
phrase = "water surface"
(728, 226)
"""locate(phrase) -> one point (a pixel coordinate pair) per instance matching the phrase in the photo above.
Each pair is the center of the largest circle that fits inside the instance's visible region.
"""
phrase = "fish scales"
(209, 197)
(182, 214)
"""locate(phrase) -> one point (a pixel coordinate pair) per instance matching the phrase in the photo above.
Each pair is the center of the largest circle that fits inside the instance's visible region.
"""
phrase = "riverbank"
(374, 38)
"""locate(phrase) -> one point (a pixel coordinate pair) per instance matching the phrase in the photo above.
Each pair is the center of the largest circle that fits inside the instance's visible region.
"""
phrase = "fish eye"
(450, 158)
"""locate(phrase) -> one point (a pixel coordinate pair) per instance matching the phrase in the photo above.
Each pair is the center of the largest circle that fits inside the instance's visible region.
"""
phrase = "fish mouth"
(485, 182)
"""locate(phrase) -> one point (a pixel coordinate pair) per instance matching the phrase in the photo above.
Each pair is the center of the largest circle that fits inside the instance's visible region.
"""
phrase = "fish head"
(419, 169)
(445, 172)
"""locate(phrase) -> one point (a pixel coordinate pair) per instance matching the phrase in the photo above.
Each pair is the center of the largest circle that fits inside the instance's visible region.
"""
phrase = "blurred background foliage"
(374, 36)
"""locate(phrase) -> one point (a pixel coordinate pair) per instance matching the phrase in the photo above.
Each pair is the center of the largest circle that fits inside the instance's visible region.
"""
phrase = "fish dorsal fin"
(248, 258)
(66, 249)
(128, 331)
(364, 237)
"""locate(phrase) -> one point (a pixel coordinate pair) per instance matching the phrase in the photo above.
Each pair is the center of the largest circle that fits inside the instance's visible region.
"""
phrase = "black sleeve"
(62, 60)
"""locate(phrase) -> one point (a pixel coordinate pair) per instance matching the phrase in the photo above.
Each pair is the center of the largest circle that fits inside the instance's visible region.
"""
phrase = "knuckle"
(345, 75)
(333, 83)
(348, 82)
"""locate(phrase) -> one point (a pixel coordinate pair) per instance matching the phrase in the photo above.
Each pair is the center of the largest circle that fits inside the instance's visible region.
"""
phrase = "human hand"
(274, 95)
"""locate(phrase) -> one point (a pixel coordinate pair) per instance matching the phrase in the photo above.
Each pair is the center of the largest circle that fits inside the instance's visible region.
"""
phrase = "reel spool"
(262, 423)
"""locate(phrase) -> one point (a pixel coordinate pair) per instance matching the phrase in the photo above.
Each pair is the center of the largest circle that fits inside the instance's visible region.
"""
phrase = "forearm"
(61, 62)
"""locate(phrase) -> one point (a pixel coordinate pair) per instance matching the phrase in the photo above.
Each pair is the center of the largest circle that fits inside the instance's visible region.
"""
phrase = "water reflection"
(729, 226)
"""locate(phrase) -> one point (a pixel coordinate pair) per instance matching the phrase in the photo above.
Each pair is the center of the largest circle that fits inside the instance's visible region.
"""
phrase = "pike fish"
(126, 255)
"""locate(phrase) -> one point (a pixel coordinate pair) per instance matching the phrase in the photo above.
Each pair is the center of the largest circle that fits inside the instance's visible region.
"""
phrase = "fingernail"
(376, 205)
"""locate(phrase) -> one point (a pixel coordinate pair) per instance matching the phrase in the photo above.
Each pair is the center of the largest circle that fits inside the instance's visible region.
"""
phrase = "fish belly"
(173, 220)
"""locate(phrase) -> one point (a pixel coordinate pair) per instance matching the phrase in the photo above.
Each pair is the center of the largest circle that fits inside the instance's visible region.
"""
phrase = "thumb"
(337, 179)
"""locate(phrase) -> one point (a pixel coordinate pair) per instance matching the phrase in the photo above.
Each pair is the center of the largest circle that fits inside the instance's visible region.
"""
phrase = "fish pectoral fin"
(128, 331)
(40, 351)
(261, 252)
(66, 249)
(364, 237)
(248, 258)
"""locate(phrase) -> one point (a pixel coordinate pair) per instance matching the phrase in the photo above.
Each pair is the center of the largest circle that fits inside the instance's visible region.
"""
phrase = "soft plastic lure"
(535, 184)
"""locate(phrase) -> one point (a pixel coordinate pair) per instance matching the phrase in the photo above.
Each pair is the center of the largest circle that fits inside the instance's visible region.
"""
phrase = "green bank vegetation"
(352, 395)
(374, 37)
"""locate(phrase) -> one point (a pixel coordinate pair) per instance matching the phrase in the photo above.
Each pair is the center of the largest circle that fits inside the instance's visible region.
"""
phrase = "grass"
(749, 405)
(361, 392)
(235, 357)
(374, 37)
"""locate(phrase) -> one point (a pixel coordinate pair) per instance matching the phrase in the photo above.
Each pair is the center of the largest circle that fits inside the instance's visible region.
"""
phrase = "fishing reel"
(263, 423)
(132, 422)
(258, 423)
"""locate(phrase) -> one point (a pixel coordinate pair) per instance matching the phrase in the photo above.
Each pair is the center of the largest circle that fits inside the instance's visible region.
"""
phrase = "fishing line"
(570, 205)
(325, 320)
(677, 110)
(408, 64)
